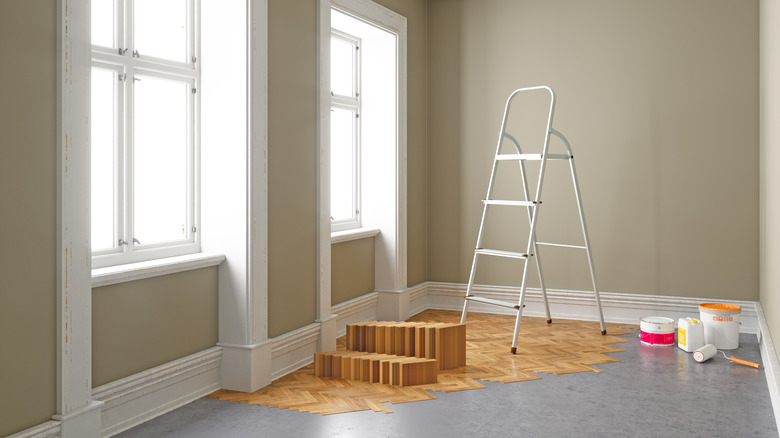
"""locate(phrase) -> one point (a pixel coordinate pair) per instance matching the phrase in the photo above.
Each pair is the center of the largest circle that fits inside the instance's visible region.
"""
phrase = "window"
(345, 131)
(145, 106)
(379, 80)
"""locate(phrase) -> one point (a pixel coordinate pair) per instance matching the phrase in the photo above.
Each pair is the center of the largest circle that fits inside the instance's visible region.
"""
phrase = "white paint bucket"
(656, 330)
(721, 324)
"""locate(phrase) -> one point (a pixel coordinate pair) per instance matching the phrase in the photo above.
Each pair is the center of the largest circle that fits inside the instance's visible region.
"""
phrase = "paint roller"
(709, 350)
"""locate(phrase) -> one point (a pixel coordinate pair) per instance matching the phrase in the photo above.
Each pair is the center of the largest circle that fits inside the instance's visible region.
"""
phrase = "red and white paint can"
(656, 330)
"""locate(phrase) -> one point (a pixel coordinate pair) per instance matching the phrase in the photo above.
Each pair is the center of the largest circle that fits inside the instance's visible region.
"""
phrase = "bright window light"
(103, 23)
(160, 159)
(342, 67)
(161, 29)
(103, 160)
(342, 162)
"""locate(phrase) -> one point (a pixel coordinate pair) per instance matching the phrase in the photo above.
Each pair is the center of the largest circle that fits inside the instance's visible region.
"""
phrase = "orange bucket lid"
(720, 307)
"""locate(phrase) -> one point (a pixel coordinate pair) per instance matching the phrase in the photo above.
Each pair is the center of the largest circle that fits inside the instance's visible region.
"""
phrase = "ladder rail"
(585, 236)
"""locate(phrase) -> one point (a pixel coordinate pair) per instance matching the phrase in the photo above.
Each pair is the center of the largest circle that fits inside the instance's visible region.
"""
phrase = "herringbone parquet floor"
(563, 347)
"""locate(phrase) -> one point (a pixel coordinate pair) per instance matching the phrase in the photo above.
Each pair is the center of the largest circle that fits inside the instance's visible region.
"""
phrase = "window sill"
(357, 233)
(153, 268)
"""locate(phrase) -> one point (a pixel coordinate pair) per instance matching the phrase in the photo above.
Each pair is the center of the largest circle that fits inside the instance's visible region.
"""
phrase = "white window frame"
(351, 103)
(123, 59)
(388, 226)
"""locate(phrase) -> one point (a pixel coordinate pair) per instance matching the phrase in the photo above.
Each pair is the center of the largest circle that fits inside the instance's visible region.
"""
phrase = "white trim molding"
(769, 362)
(241, 234)
(354, 234)
(246, 368)
(153, 268)
(49, 429)
(294, 350)
(323, 304)
(135, 399)
(580, 305)
(77, 414)
(360, 309)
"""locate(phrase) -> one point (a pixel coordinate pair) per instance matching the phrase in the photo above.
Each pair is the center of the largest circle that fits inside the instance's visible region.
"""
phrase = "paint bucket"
(721, 324)
(656, 330)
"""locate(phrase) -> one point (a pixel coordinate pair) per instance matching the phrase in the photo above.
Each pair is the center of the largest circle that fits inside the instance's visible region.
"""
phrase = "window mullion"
(128, 176)
(119, 166)
(358, 181)
(119, 24)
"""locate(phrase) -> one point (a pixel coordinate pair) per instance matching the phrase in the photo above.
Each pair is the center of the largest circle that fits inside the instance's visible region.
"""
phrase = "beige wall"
(444, 145)
(292, 266)
(352, 269)
(660, 102)
(146, 323)
(28, 220)
(770, 161)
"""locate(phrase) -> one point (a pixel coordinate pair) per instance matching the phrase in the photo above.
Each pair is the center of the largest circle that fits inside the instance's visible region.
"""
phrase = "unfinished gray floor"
(651, 392)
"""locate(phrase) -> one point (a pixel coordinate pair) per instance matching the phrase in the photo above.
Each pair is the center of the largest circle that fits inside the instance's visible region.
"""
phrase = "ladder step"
(493, 302)
(515, 203)
(562, 245)
(499, 253)
(531, 157)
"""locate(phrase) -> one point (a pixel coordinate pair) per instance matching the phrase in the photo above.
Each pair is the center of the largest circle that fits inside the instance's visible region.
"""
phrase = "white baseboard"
(580, 305)
(356, 310)
(418, 298)
(138, 398)
(770, 362)
(293, 350)
(49, 429)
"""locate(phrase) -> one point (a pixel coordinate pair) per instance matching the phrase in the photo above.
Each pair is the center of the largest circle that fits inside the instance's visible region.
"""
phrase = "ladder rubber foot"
(549, 321)
(603, 332)
(514, 350)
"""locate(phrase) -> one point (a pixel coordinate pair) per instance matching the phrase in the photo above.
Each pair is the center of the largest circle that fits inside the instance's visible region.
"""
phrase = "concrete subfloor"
(651, 392)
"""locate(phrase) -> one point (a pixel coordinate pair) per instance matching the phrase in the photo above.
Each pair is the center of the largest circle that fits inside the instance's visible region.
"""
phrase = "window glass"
(103, 140)
(103, 23)
(161, 29)
(160, 160)
(342, 67)
(342, 164)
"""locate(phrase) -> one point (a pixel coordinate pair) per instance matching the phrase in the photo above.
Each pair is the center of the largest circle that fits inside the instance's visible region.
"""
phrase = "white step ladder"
(532, 207)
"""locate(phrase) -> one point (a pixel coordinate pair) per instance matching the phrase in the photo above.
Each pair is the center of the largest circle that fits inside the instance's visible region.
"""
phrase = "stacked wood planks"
(445, 342)
(376, 368)
(395, 353)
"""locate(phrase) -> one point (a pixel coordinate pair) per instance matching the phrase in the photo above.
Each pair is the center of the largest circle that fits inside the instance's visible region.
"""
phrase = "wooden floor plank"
(563, 347)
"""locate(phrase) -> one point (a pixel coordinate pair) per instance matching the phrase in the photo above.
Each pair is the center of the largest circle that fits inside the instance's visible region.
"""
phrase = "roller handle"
(744, 362)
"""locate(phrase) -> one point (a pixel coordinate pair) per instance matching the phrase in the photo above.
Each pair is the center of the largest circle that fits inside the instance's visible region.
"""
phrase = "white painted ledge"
(358, 233)
(153, 268)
